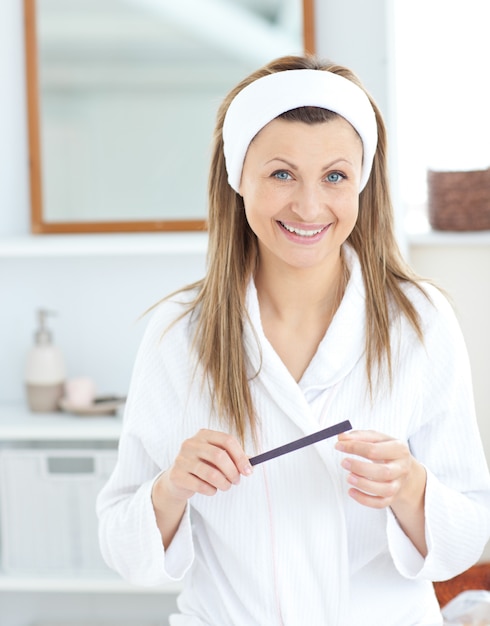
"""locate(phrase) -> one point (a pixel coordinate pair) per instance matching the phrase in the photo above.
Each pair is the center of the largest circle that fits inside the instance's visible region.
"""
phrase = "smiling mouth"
(300, 231)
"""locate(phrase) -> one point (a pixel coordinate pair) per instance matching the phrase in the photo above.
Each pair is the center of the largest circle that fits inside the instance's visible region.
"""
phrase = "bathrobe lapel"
(305, 493)
(338, 353)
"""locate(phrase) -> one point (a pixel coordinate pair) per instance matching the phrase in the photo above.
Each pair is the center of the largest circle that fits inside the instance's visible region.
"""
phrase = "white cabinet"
(32, 599)
(99, 285)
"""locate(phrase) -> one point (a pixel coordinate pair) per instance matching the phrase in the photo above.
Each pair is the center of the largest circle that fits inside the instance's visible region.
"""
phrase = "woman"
(307, 316)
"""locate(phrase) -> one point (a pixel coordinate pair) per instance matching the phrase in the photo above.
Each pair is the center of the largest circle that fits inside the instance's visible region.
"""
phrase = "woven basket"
(475, 578)
(459, 200)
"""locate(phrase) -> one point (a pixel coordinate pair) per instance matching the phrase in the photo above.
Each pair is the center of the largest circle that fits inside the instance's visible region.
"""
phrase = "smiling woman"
(122, 97)
(307, 314)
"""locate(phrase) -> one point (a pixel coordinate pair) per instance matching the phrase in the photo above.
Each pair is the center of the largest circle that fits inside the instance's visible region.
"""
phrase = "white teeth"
(301, 232)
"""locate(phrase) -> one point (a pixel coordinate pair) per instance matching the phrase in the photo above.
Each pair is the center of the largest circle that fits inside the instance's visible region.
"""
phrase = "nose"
(309, 202)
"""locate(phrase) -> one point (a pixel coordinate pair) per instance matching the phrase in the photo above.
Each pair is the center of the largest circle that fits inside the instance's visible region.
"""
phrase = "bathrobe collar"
(341, 348)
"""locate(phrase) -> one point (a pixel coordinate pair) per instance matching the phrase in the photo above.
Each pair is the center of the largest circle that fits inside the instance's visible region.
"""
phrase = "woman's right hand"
(208, 462)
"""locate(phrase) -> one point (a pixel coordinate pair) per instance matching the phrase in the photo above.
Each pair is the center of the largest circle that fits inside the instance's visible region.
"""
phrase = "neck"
(299, 294)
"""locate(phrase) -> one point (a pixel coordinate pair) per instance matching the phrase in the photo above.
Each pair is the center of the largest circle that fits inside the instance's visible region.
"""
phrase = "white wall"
(353, 33)
(463, 270)
(14, 188)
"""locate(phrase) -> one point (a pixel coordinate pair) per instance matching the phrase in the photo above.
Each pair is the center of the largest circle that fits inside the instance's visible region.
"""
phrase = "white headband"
(267, 97)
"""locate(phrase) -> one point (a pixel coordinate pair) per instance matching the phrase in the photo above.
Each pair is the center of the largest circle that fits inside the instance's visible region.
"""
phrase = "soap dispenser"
(45, 370)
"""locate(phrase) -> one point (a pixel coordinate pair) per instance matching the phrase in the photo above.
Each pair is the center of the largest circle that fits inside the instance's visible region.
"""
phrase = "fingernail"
(346, 464)
(247, 470)
(339, 446)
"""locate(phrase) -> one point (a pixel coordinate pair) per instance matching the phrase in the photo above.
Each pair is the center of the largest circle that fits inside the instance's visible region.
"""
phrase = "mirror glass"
(126, 93)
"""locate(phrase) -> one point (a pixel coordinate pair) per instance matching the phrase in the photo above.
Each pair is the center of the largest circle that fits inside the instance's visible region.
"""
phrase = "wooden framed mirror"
(122, 98)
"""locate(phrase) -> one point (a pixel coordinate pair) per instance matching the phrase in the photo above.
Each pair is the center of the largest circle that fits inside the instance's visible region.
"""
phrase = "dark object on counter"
(101, 405)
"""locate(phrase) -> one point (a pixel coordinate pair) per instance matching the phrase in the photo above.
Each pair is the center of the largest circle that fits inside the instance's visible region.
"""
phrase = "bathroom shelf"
(433, 238)
(17, 423)
(79, 585)
(113, 244)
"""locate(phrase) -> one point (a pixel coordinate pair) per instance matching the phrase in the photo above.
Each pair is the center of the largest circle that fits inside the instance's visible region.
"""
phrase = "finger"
(380, 489)
(371, 436)
(208, 463)
(186, 483)
(232, 447)
(212, 456)
(214, 476)
(373, 472)
(377, 448)
(190, 472)
(366, 499)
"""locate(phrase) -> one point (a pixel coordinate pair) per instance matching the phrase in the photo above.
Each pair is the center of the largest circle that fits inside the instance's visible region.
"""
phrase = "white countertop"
(17, 423)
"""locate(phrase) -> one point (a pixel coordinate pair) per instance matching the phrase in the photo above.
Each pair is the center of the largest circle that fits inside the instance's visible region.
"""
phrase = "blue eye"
(335, 177)
(281, 175)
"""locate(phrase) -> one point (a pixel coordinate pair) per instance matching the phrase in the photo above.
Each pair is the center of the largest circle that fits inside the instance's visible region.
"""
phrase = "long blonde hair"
(219, 306)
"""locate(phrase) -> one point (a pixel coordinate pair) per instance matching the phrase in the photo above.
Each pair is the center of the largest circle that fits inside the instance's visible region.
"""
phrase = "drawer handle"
(71, 465)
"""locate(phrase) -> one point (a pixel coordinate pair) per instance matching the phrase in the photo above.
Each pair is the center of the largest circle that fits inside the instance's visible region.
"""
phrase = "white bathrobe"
(287, 546)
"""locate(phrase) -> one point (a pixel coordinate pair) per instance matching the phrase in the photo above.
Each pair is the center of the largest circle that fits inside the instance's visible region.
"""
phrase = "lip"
(299, 238)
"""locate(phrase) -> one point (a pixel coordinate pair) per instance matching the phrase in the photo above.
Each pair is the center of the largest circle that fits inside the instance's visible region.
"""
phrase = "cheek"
(259, 202)
(348, 207)
(255, 217)
(250, 213)
(354, 210)
(347, 215)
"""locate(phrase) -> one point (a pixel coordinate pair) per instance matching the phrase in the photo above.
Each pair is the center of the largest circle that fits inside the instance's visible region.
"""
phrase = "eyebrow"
(295, 167)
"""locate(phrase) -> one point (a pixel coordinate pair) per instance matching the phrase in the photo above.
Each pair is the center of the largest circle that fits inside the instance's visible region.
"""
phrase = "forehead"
(285, 133)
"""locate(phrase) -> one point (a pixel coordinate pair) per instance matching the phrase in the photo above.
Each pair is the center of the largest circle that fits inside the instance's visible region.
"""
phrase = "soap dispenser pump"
(45, 370)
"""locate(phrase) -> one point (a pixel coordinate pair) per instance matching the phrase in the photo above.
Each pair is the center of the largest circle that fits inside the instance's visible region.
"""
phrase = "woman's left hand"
(386, 473)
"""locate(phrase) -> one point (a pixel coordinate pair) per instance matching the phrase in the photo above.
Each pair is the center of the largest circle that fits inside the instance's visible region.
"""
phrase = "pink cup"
(79, 392)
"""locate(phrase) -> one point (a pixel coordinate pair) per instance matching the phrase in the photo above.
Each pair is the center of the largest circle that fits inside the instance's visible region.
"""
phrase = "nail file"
(331, 431)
